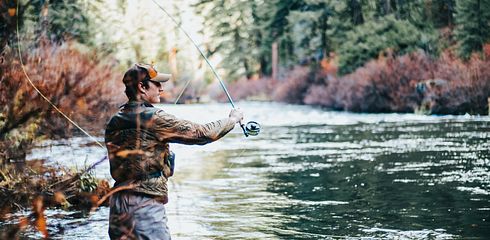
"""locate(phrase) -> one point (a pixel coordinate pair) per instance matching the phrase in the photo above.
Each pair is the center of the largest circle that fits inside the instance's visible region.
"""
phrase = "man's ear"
(141, 88)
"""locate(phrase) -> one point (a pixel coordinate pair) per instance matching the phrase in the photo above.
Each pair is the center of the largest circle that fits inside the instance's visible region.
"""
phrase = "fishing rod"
(252, 128)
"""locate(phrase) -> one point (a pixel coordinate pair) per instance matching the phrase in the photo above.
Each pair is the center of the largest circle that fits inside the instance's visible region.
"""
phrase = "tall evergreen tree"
(277, 28)
(233, 33)
(55, 20)
(442, 13)
(309, 27)
(306, 29)
(354, 8)
(369, 40)
(473, 25)
(58, 20)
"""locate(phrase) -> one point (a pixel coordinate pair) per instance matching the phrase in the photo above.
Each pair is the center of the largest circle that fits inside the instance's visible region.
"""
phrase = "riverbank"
(70, 79)
(412, 83)
(34, 186)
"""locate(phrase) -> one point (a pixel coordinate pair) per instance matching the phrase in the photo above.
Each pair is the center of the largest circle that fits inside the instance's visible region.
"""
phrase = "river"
(311, 174)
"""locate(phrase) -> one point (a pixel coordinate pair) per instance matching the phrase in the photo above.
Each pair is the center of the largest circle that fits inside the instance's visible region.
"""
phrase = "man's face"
(153, 92)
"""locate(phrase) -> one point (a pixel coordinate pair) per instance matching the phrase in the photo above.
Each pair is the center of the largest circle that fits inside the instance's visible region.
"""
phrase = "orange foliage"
(40, 219)
(41, 187)
(11, 12)
(328, 65)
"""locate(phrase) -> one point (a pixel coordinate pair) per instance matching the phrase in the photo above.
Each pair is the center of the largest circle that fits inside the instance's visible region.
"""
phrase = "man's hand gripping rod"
(252, 128)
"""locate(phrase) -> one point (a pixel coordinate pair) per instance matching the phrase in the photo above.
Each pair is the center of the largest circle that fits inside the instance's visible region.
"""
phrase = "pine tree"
(473, 25)
(310, 29)
(234, 34)
(58, 20)
(442, 13)
(369, 40)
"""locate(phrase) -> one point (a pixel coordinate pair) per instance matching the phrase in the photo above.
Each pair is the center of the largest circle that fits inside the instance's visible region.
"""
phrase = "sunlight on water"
(312, 174)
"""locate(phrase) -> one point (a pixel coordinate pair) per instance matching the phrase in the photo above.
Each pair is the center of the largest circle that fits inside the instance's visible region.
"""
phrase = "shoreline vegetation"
(411, 83)
(71, 80)
(32, 185)
(359, 56)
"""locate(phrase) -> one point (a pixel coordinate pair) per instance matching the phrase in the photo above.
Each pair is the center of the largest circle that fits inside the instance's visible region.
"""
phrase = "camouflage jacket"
(137, 140)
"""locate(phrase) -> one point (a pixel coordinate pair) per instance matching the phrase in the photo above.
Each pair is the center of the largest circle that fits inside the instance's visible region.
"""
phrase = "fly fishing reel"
(252, 128)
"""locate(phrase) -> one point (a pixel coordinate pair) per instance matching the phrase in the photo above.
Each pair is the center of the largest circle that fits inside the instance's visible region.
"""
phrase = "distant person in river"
(137, 140)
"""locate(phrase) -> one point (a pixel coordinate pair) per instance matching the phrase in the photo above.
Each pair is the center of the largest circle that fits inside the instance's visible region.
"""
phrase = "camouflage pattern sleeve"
(168, 128)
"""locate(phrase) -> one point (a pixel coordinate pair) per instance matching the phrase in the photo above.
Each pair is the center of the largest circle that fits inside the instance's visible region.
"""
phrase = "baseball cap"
(153, 73)
(138, 71)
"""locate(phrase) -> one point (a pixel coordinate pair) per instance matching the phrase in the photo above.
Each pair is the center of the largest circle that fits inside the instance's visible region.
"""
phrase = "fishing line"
(183, 90)
(19, 46)
(200, 51)
(251, 128)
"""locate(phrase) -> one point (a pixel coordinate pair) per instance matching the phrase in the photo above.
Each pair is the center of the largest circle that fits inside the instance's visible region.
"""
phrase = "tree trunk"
(275, 60)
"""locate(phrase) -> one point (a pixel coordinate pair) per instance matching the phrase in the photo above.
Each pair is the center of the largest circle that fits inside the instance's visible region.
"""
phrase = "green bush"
(369, 40)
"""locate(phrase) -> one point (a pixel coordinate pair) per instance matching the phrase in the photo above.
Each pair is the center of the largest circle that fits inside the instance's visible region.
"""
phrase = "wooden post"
(275, 60)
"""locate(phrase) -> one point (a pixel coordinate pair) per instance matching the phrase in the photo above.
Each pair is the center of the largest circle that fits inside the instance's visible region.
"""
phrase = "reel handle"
(243, 128)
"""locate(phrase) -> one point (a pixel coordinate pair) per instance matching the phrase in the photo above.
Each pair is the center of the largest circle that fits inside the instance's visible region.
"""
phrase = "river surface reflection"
(312, 174)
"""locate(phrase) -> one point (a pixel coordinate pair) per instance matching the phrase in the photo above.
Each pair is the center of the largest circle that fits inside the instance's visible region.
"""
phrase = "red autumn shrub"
(291, 89)
(447, 85)
(294, 87)
(330, 94)
(387, 84)
(246, 88)
(468, 85)
(85, 89)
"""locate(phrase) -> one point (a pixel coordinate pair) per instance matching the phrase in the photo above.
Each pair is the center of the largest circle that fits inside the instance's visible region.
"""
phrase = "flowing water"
(312, 174)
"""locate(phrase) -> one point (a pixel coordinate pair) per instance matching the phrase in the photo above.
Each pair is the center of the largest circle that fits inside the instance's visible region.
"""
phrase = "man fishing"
(137, 139)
